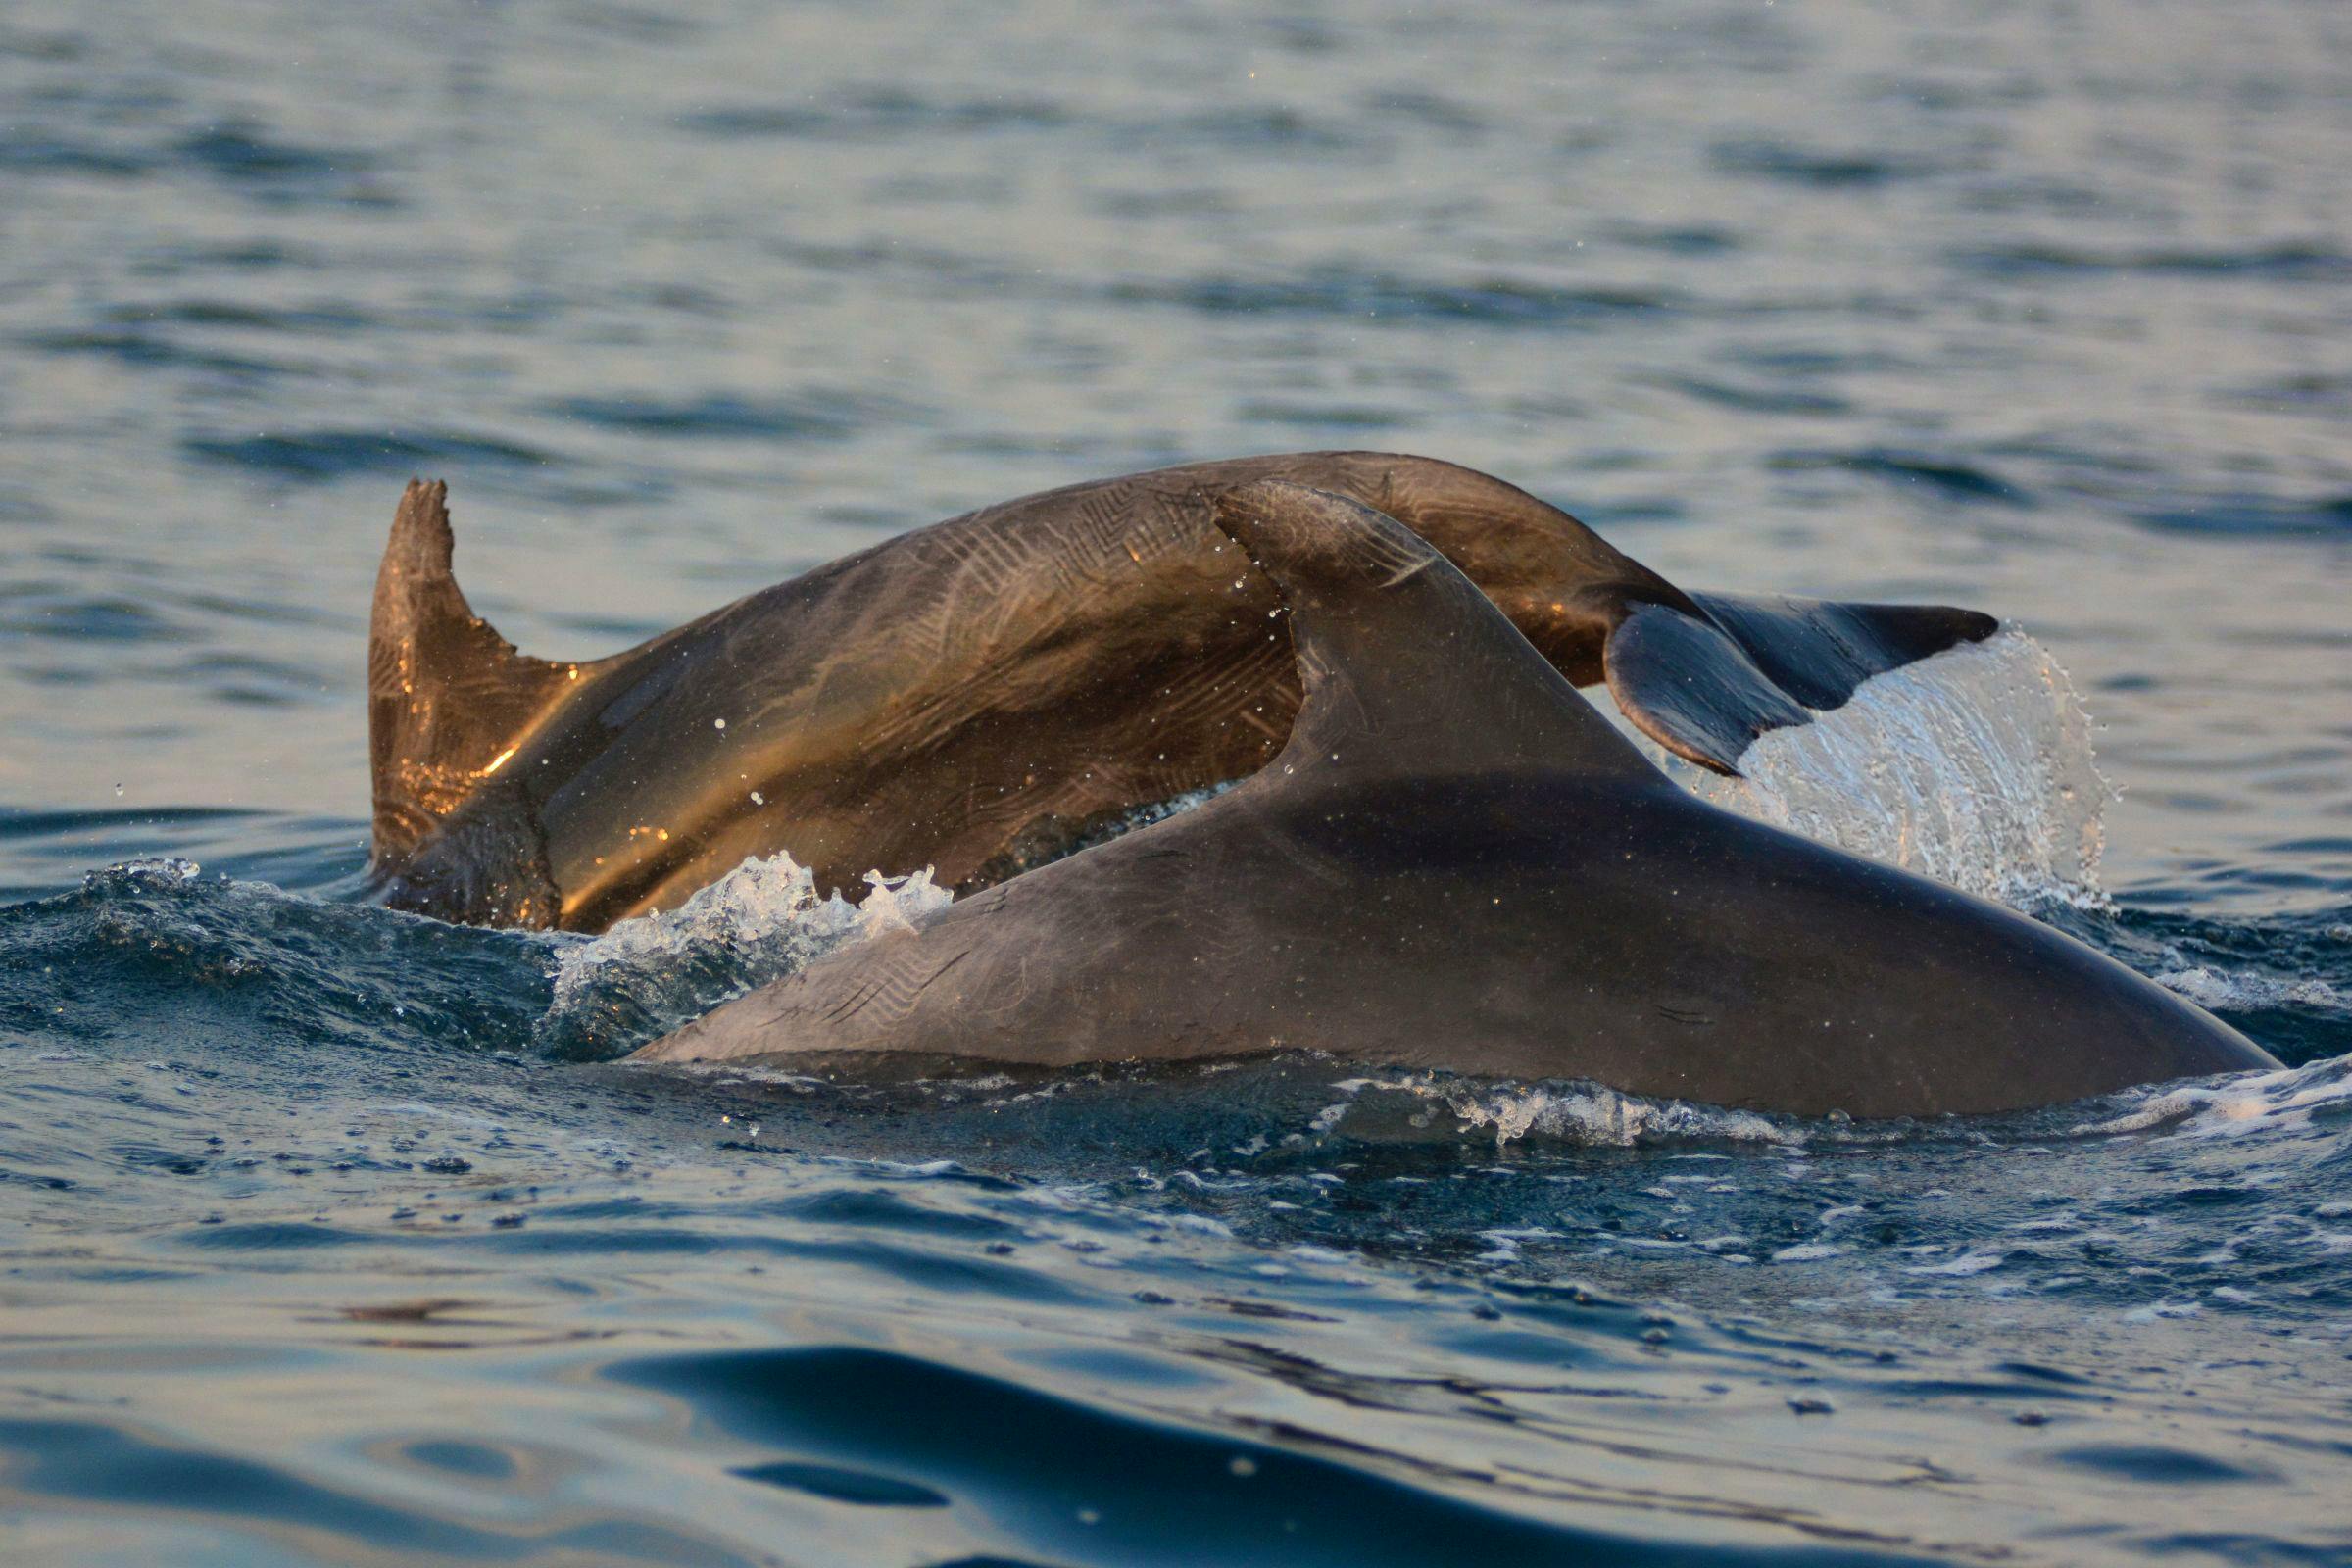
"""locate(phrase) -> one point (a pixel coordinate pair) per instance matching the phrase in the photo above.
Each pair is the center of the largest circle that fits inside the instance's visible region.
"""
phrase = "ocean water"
(335, 1236)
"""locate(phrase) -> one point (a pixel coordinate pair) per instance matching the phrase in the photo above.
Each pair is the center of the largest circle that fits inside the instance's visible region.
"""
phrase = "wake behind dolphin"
(1455, 863)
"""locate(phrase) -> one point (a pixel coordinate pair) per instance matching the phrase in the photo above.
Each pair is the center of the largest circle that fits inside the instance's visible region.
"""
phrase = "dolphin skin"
(1455, 863)
(981, 695)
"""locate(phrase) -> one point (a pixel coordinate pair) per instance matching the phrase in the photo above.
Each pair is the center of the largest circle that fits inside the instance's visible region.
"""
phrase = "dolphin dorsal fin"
(1407, 667)
(448, 698)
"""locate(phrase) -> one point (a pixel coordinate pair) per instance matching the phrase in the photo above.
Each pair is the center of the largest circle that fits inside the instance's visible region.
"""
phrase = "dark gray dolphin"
(1455, 863)
(980, 695)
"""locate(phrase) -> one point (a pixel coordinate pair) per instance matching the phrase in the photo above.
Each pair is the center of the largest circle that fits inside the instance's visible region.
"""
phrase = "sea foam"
(761, 922)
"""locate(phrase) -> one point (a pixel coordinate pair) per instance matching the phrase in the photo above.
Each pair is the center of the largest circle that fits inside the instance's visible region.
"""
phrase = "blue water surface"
(334, 1236)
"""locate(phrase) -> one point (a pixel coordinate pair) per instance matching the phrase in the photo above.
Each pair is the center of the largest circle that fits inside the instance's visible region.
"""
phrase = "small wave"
(2219, 991)
(2233, 1107)
(1759, 399)
(761, 922)
(1270, 130)
(46, 854)
(159, 948)
(2251, 513)
(1334, 417)
(1950, 477)
(146, 350)
(27, 151)
(54, 610)
(1381, 1109)
(244, 156)
(1343, 292)
(2285, 979)
(814, 414)
(316, 456)
(2284, 262)
(1680, 239)
(874, 114)
(1822, 169)
(301, 320)
(15, 822)
(1973, 766)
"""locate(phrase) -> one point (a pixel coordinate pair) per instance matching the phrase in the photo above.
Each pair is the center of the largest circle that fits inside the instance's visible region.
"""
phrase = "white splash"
(761, 922)
(2288, 1100)
(761, 911)
(1973, 766)
(1578, 1113)
(2216, 991)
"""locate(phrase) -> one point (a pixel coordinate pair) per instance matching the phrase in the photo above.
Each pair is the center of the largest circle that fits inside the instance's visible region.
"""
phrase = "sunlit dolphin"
(1455, 863)
(980, 695)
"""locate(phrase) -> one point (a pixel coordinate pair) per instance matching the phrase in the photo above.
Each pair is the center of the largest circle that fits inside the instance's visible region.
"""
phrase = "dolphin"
(984, 694)
(1456, 862)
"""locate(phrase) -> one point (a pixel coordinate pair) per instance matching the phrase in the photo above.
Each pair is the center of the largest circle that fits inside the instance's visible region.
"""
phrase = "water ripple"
(2284, 261)
(319, 456)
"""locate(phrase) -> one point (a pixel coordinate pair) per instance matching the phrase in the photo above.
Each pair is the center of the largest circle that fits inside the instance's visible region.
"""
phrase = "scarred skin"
(1455, 863)
(976, 695)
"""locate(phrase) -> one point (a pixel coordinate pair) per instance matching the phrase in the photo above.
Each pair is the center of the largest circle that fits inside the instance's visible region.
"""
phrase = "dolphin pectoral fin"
(1407, 667)
(448, 698)
(1705, 686)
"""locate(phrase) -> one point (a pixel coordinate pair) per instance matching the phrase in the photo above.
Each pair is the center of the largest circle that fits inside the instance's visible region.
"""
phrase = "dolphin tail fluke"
(448, 698)
(1705, 686)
